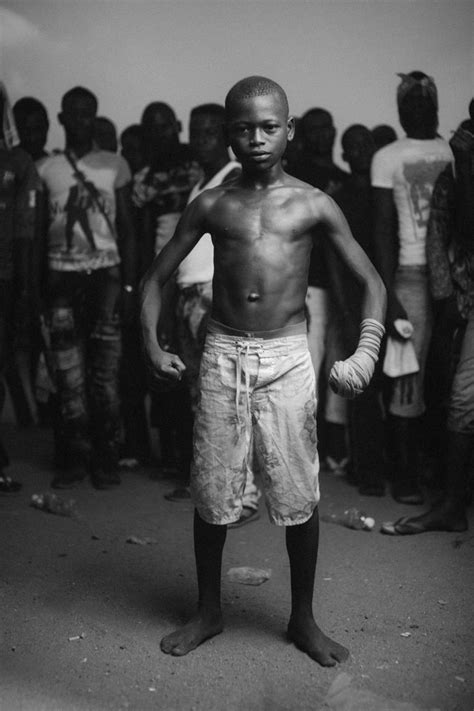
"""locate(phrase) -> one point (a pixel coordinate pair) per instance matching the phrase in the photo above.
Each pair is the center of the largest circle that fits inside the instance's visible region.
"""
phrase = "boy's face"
(33, 133)
(359, 149)
(77, 118)
(258, 129)
(206, 138)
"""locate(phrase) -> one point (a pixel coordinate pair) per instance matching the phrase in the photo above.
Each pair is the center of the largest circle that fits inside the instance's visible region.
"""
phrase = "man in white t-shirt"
(403, 176)
(91, 274)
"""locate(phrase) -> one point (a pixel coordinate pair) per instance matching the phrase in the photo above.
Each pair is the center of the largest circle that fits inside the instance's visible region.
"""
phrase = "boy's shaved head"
(254, 86)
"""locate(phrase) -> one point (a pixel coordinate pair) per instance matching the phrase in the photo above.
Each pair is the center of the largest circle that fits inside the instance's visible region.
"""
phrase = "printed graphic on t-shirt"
(84, 207)
(81, 226)
(420, 178)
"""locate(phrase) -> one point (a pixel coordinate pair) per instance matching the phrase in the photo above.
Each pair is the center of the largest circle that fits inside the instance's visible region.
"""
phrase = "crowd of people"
(80, 226)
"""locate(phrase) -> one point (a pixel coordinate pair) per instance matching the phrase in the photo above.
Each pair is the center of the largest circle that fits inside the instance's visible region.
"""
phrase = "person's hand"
(164, 367)
(396, 314)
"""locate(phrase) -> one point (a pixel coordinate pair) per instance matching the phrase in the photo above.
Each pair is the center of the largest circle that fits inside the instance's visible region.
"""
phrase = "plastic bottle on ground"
(352, 518)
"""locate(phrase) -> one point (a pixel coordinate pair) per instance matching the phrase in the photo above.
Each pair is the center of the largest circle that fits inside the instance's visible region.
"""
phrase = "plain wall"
(338, 54)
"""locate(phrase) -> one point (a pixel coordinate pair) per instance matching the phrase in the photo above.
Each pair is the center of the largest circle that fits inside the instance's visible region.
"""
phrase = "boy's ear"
(290, 127)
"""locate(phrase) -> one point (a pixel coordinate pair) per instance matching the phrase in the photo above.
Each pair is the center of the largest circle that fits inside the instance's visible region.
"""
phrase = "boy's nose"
(257, 136)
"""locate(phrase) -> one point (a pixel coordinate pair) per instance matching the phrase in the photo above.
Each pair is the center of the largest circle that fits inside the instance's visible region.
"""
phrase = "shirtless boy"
(257, 381)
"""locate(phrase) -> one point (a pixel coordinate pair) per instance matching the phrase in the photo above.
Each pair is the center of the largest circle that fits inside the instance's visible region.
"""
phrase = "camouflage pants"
(85, 352)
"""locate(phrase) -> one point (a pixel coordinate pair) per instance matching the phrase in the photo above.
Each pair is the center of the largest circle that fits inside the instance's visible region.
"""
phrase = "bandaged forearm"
(350, 377)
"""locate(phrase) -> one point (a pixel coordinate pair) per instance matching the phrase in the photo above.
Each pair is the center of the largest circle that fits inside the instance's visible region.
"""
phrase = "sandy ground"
(82, 610)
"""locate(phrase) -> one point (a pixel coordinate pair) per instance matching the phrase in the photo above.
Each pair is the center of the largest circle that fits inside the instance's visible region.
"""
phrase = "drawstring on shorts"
(243, 347)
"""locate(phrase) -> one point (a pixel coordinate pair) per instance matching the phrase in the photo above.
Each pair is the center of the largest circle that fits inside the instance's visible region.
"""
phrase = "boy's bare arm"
(374, 292)
(351, 376)
(191, 226)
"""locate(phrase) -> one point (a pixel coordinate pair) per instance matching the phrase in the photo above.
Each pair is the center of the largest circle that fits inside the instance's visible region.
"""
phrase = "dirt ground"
(83, 611)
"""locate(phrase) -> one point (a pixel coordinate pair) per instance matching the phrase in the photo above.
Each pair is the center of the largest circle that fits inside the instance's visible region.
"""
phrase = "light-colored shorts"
(258, 399)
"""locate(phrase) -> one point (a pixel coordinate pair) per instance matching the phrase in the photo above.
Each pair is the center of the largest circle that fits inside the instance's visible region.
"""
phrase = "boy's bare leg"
(302, 544)
(209, 542)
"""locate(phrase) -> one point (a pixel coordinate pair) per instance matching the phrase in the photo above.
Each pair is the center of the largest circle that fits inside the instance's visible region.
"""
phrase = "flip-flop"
(181, 493)
(405, 526)
(409, 526)
(247, 516)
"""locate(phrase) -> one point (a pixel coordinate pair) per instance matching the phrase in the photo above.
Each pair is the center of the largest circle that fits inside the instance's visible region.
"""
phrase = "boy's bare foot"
(310, 639)
(191, 635)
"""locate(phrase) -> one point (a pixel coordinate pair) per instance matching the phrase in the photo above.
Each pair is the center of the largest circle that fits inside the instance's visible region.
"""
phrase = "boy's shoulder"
(291, 181)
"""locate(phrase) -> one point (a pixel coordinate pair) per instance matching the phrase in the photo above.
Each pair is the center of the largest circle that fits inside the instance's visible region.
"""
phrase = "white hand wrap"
(350, 377)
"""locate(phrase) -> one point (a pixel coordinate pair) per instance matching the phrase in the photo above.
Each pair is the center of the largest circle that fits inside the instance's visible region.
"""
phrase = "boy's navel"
(253, 296)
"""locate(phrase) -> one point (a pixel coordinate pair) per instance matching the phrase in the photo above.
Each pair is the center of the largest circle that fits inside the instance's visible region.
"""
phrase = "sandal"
(8, 486)
(408, 526)
(247, 516)
(403, 527)
(181, 493)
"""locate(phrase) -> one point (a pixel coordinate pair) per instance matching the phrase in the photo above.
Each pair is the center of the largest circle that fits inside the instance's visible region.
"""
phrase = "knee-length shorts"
(257, 405)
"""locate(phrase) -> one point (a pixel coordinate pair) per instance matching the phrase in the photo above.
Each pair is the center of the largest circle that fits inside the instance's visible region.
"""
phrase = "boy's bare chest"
(252, 220)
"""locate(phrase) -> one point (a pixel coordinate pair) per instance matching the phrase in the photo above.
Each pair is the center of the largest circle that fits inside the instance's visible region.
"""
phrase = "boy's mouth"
(258, 156)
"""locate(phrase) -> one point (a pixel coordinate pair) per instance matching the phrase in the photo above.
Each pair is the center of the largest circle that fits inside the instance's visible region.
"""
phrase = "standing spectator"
(132, 149)
(105, 134)
(314, 164)
(29, 366)
(136, 445)
(91, 273)
(383, 134)
(19, 184)
(160, 193)
(367, 462)
(450, 252)
(162, 187)
(403, 176)
(32, 123)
